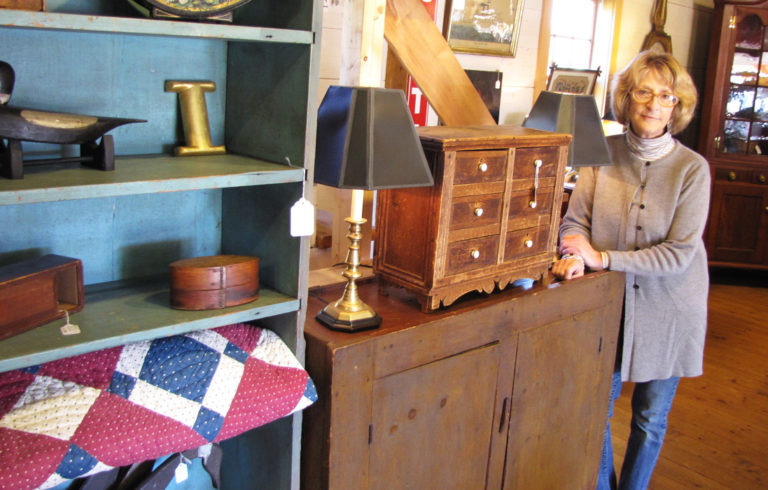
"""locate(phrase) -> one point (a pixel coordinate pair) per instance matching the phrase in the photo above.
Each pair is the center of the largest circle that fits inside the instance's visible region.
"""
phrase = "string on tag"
(302, 211)
(303, 180)
(69, 328)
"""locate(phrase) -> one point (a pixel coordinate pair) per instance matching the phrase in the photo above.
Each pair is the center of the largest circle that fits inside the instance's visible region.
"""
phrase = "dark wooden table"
(508, 390)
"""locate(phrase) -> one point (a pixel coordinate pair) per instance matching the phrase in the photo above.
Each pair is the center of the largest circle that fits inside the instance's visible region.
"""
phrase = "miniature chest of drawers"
(491, 217)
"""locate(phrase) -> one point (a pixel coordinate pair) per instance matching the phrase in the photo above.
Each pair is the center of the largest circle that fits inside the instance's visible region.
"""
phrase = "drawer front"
(522, 243)
(522, 212)
(477, 167)
(474, 211)
(760, 177)
(468, 255)
(526, 158)
(733, 175)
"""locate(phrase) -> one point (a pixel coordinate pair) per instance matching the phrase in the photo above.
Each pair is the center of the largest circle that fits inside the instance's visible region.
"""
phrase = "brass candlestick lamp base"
(350, 313)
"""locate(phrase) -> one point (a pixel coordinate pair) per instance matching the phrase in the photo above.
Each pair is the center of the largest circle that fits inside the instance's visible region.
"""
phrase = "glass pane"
(758, 144)
(736, 133)
(764, 70)
(744, 69)
(740, 101)
(573, 18)
(761, 104)
(749, 32)
(570, 53)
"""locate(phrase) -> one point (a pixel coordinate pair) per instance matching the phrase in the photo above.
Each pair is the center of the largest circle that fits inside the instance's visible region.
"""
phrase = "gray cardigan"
(650, 217)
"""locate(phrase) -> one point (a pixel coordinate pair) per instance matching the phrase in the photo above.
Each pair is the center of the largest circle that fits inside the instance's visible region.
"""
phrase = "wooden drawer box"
(491, 217)
(37, 291)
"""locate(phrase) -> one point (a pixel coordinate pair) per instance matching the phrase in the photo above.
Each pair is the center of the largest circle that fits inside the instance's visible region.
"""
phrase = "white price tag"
(69, 328)
(181, 473)
(302, 218)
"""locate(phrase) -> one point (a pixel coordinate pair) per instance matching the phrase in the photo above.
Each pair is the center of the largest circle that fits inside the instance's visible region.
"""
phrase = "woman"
(645, 216)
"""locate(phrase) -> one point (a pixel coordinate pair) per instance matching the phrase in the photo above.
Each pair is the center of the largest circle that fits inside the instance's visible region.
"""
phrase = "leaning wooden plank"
(414, 38)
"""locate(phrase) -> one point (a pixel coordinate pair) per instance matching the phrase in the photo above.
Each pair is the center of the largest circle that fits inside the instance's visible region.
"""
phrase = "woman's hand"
(568, 268)
(579, 245)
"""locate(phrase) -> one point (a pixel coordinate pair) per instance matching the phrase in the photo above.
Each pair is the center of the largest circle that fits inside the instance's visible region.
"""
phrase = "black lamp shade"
(576, 115)
(366, 139)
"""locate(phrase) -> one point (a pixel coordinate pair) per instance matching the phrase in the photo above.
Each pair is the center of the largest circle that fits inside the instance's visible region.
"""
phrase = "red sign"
(417, 103)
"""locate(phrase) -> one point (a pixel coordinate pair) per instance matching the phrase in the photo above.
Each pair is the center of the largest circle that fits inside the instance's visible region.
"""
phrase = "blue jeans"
(651, 402)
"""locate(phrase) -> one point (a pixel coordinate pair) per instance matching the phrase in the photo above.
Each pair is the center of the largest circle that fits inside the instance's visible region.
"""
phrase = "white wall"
(518, 72)
(688, 23)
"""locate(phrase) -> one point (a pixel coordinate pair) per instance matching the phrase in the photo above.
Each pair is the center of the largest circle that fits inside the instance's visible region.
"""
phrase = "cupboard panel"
(447, 404)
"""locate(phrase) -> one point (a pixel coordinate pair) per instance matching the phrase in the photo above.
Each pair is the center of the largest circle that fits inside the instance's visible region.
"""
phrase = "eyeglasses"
(643, 96)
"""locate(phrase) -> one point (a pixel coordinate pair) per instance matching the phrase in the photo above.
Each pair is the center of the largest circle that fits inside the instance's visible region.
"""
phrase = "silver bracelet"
(574, 256)
(606, 259)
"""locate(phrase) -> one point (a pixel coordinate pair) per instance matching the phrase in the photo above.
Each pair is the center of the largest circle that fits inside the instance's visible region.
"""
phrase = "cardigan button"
(639, 227)
(636, 286)
(637, 248)
(647, 164)
(642, 206)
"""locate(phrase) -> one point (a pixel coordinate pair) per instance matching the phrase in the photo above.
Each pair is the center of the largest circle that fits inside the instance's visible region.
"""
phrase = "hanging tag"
(181, 473)
(302, 218)
(69, 328)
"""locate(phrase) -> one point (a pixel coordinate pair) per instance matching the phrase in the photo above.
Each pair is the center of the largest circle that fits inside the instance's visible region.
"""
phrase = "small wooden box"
(213, 282)
(38, 5)
(491, 217)
(35, 292)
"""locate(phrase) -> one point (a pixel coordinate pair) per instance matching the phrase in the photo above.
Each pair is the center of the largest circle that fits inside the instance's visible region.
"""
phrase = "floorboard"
(718, 427)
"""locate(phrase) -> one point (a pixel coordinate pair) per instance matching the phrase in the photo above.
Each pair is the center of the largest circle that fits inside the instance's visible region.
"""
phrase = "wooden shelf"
(116, 314)
(140, 26)
(143, 175)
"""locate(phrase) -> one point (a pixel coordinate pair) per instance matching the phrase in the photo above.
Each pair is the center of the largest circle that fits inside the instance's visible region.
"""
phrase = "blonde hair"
(669, 70)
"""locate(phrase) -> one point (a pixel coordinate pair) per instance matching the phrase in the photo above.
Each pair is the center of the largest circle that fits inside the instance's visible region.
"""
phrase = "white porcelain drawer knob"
(483, 167)
(529, 243)
(478, 211)
(475, 254)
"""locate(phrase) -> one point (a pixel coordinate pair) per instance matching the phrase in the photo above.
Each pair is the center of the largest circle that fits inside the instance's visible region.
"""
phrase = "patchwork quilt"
(89, 413)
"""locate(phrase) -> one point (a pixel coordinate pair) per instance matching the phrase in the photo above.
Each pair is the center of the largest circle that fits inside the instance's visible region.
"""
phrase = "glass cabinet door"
(745, 128)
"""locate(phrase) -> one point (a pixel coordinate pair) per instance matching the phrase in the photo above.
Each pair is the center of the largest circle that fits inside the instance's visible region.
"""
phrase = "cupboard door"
(738, 222)
(745, 119)
(560, 402)
(432, 425)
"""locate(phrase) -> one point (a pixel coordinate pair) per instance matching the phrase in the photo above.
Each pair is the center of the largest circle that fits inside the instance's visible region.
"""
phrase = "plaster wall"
(688, 23)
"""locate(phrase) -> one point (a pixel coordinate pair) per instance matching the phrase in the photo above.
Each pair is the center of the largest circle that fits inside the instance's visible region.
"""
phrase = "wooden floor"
(718, 427)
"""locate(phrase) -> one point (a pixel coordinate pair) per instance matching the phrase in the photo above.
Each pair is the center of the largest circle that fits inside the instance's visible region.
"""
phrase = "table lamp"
(366, 140)
(576, 115)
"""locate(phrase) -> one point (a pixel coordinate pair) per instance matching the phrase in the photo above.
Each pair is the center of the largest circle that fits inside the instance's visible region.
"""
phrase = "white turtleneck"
(650, 149)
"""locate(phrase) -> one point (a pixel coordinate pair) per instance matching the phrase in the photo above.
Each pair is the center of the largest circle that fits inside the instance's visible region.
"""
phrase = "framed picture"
(572, 80)
(483, 26)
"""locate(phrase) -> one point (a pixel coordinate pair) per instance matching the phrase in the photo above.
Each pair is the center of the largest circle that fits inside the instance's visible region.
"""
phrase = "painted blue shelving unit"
(99, 57)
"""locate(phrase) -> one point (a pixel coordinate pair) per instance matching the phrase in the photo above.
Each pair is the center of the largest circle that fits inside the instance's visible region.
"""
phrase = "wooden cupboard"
(508, 390)
(100, 57)
(491, 217)
(734, 135)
